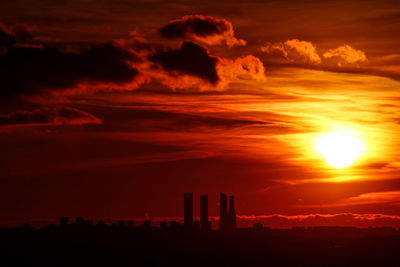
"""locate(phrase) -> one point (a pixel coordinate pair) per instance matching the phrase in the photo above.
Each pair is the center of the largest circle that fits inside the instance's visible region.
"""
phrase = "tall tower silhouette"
(188, 210)
(223, 211)
(204, 212)
(232, 213)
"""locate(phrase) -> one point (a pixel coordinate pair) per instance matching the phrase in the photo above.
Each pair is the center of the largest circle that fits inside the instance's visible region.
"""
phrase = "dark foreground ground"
(139, 246)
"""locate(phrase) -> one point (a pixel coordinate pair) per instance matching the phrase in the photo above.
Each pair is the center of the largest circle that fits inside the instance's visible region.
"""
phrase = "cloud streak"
(59, 115)
(371, 198)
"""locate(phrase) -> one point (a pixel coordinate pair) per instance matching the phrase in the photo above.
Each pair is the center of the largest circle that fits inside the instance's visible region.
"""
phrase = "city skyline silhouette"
(199, 133)
(195, 243)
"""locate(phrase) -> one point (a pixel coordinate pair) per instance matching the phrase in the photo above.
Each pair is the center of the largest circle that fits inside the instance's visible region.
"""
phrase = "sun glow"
(340, 149)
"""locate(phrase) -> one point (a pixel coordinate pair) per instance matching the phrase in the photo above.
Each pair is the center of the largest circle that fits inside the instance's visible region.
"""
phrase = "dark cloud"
(196, 24)
(30, 70)
(190, 59)
(6, 37)
(207, 29)
(49, 116)
(17, 34)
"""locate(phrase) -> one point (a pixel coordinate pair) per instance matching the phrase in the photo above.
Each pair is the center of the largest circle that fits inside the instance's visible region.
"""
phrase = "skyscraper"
(223, 211)
(232, 213)
(188, 210)
(204, 212)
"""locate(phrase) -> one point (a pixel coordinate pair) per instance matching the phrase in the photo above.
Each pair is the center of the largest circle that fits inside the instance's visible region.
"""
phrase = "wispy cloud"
(386, 197)
(48, 116)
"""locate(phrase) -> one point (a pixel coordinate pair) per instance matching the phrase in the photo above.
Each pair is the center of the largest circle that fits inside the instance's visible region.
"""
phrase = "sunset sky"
(114, 109)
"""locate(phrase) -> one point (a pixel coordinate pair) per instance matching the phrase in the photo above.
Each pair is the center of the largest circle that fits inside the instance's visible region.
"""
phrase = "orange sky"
(165, 107)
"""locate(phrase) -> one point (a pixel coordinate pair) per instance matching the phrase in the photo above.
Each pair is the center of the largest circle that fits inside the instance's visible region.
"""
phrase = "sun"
(340, 149)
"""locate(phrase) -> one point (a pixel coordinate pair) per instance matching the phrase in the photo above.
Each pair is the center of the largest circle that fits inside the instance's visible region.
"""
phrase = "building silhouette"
(188, 210)
(121, 224)
(163, 225)
(232, 213)
(204, 212)
(223, 212)
(196, 226)
(64, 221)
(147, 224)
(129, 224)
(174, 225)
(79, 220)
(100, 224)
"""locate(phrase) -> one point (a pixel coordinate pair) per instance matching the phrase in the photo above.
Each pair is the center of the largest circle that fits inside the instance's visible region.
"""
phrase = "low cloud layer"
(340, 219)
(302, 220)
(206, 29)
